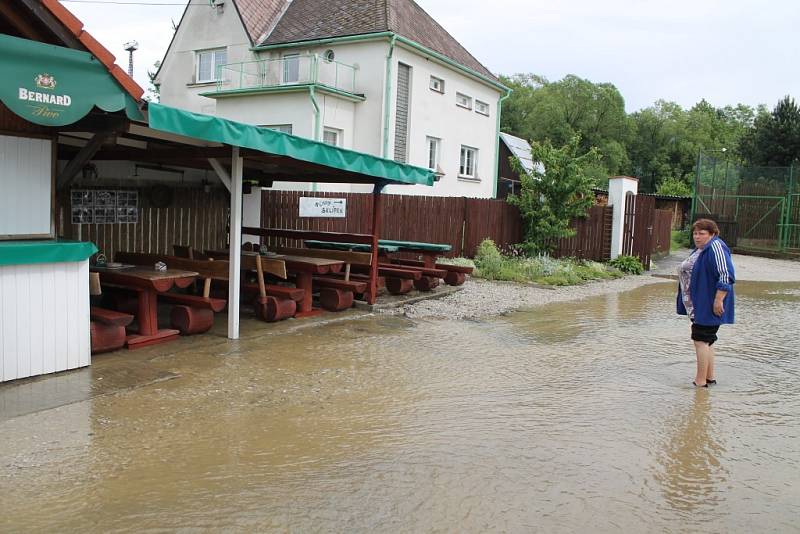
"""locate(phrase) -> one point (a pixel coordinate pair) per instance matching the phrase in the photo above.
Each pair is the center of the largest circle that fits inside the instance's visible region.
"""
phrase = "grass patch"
(490, 264)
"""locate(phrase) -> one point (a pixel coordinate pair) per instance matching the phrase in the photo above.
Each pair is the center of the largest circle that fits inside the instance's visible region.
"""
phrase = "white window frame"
(285, 128)
(467, 99)
(465, 162)
(215, 54)
(339, 134)
(434, 150)
(287, 58)
(434, 81)
(479, 104)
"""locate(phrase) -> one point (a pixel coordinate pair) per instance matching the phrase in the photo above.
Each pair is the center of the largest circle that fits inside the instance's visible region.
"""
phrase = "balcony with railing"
(286, 74)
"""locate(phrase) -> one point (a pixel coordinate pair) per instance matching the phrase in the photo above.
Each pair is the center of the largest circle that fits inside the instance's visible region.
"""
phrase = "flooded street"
(575, 416)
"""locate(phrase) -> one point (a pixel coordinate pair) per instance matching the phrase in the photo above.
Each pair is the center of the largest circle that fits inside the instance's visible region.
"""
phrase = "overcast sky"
(728, 52)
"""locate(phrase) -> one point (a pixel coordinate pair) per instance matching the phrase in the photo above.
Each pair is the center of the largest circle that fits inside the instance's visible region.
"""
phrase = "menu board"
(104, 206)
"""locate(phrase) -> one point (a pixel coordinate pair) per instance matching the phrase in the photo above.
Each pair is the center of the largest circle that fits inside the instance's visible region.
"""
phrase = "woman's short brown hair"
(706, 224)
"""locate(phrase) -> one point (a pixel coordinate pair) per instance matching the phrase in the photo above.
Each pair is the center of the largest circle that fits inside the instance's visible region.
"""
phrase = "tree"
(540, 110)
(674, 187)
(774, 139)
(153, 90)
(554, 193)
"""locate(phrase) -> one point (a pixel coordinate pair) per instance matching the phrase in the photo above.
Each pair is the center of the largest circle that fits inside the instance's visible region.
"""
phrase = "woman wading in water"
(705, 294)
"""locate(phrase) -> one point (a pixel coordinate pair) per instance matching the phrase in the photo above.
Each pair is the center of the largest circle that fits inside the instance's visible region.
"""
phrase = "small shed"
(512, 147)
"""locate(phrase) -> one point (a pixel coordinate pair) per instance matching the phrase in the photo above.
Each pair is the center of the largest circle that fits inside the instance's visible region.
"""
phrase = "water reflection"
(692, 475)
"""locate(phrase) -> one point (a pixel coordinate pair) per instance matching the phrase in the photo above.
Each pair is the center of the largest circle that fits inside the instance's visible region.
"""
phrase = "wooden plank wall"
(44, 318)
(662, 231)
(592, 240)
(194, 218)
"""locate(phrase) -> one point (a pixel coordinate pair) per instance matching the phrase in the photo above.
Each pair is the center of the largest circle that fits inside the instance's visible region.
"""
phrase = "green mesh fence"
(755, 207)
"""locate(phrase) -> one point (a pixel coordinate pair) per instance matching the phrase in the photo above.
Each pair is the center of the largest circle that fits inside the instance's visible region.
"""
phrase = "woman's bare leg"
(701, 348)
(710, 364)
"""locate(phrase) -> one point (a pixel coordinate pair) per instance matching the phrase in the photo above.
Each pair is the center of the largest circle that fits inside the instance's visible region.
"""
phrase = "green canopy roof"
(55, 86)
(218, 130)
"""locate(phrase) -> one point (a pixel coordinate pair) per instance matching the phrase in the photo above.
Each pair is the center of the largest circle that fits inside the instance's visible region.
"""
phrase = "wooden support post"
(376, 222)
(235, 259)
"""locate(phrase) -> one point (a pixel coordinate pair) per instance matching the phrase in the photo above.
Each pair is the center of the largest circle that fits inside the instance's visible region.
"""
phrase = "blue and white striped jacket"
(713, 270)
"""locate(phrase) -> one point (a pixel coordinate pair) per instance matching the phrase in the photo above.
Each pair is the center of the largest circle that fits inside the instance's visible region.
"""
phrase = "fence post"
(618, 188)
(787, 220)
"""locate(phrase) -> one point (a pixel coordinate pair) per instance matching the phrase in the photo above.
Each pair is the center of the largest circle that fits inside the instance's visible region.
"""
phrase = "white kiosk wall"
(26, 182)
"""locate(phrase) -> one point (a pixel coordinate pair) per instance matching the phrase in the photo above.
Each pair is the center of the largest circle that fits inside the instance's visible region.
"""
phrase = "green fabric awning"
(45, 251)
(55, 86)
(233, 133)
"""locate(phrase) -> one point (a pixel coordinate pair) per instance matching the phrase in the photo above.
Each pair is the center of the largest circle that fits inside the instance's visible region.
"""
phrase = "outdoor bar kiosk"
(44, 281)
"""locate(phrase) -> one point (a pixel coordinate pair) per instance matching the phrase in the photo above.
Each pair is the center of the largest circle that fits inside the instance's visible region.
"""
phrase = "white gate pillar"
(618, 189)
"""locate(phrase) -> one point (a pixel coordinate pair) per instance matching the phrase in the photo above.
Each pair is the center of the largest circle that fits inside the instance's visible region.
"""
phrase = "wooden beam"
(53, 24)
(82, 158)
(223, 175)
(26, 29)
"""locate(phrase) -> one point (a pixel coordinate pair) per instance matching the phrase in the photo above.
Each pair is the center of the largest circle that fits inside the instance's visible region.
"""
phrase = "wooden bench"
(455, 274)
(276, 303)
(107, 329)
(192, 314)
(336, 294)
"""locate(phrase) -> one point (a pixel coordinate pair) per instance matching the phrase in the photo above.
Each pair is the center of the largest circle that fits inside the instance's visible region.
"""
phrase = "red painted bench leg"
(398, 286)
(271, 309)
(426, 283)
(454, 279)
(333, 299)
(191, 320)
(106, 337)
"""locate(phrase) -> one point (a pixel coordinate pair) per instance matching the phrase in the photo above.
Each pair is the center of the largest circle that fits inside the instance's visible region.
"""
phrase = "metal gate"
(637, 233)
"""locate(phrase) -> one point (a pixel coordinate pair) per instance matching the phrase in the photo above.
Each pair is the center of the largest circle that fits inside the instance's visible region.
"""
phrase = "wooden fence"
(662, 231)
(194, 218)
(592, 240)
(460, 222)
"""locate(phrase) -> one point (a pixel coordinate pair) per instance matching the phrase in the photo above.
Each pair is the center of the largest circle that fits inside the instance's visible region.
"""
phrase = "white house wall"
(203, 27)
(436, 115)
(269, 109)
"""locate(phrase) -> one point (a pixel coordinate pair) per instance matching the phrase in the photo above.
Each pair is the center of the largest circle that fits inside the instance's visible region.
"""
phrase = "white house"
(376, 76)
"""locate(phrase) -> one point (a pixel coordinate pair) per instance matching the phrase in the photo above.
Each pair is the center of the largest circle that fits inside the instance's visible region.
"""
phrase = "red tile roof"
(305, 20)
(93, 46)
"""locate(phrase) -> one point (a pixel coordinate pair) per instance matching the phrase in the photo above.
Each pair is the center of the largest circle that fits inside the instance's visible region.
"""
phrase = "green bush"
(490, 264)
(681, 239)
(627, 264)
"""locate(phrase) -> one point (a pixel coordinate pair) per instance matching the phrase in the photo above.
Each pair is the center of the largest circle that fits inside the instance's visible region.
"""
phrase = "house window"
(433, 152)
(437, 84)
(285, 128)
(331, 136)
(209, 63)
(482, 108)
(468, 157)
(291, 68)
(463, 101)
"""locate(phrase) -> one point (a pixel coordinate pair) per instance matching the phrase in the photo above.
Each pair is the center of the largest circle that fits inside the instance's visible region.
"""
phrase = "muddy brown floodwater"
(576, 416)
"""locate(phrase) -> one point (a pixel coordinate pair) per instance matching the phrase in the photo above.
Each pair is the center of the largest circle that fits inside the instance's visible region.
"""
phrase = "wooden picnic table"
(428, 251)
(303, 268)
(147, 283)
